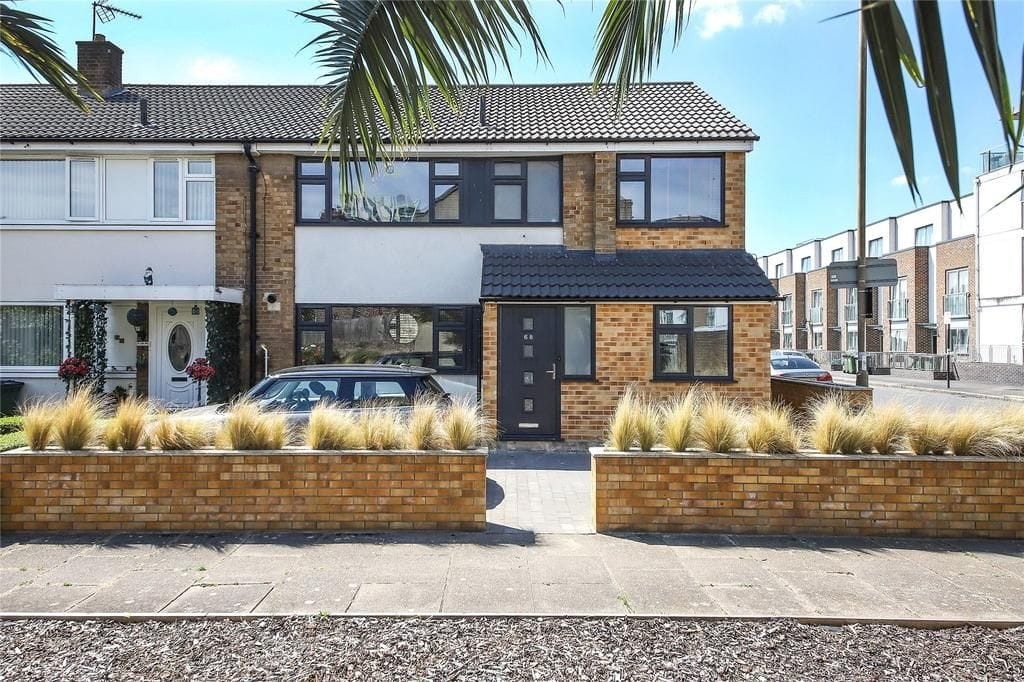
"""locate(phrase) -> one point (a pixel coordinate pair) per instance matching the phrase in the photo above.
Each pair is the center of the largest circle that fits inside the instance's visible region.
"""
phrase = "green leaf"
(24, 37)
(880, 32)
(937, 90)
(981, 22)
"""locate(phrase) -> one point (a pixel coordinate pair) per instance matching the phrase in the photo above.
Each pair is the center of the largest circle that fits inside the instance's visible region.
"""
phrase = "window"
(440, 337)
(787, 311)
(837, 255)
(32, 189)
(815, 312)
(875, 248)
(578, 341)
(851, 339)
(898, 301)
(125, 194)
(923, 236)
(199, 189)
(692, 342)
(956, 281)
(31, 335)
(166, 203)
(82, 180)
(958, 340)
(778, 270)
(466, 191)
(787, 340)
(898, 341)
(818, 340)
(682, 190)
(805, 264)
(850, 307)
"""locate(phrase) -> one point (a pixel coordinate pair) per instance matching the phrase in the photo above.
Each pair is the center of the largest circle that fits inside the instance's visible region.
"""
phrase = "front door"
(179, 339)
(529, 398)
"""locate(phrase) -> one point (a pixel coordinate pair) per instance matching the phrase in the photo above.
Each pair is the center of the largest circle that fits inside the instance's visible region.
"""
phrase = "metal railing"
(994, 159)
(898, 308)
(815, 315)
(787, 317)
(998, 353)
(955, 304)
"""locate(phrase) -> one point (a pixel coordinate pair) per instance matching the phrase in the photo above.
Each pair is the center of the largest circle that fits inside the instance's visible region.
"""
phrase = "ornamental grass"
(979, 434)
(168, 432)
(333, 428)
(423, 428)
(833, 428)
(464, 425)
(679, 421)
(76, 420)
(38, 417)
(623, 424)
(721, 424)
(648, 424)
(928, 432)
(247, 427)
(887, 428)
(770, 430)
(381, 428)
(127, 428)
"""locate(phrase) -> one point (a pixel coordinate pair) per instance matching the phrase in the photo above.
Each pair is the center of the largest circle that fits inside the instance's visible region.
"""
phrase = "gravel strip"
(501, 649)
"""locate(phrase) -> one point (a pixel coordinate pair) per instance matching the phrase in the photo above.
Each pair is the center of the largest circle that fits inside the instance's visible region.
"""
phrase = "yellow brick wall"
(147, 491)
(823, 495)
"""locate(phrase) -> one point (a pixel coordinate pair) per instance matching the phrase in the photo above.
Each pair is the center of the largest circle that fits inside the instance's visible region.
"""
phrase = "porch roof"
(139, 292)
(557, 273)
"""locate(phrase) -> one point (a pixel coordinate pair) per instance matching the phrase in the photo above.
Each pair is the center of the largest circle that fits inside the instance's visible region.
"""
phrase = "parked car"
(297, 390)
(789, 353)
(798, 367)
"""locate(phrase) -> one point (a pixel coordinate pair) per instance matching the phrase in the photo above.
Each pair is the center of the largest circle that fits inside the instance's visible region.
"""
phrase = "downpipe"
(254, 170)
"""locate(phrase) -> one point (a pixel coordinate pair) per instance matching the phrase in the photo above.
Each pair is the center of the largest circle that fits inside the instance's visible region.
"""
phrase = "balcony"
(955, 304)
(994, 159)
(898, 309)
(815, 315)
(787, 318)
(850, 312)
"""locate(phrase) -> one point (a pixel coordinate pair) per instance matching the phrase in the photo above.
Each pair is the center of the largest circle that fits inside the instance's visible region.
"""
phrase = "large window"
(875, 248)
(692, 342)
(923, 236)
(439, 191)
(898, 341)
(83, 181)
(31, 335)
(959, 340)
(664, 190)
(32, 189)
(578, 342)
(441, 337)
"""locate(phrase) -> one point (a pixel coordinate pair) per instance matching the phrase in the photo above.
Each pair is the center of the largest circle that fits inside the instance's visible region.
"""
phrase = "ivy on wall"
(90, 339)
(223, 350)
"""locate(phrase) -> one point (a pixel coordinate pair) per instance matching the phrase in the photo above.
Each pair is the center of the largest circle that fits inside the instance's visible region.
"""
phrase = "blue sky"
(771, 62)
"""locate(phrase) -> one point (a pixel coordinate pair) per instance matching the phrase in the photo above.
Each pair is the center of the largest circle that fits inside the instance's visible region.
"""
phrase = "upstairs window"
(778, 270)
(875, 248)
(183, 187)
(837, 255)
(923, 236)
(83, 181)
(671, 190)
(805, 264)
(32, 189)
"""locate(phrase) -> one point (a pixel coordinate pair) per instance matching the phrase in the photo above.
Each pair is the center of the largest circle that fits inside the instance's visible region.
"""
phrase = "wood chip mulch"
(501, 649)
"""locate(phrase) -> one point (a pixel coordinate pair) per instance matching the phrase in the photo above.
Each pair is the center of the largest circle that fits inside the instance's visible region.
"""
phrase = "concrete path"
(540, 492)
(506, 572)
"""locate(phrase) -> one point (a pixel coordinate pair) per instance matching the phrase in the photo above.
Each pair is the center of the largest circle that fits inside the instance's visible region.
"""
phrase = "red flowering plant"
(72, 370)
(200, 370)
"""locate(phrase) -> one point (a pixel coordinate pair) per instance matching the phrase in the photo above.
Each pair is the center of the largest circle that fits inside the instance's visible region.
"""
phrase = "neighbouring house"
(535, 248)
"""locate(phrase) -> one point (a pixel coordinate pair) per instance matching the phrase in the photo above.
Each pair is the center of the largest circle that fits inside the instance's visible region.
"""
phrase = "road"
(886, 390)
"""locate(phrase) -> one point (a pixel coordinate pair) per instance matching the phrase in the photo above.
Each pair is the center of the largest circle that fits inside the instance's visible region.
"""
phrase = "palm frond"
(937, 90)
(25, 38)
(380, 57)
(981, 23)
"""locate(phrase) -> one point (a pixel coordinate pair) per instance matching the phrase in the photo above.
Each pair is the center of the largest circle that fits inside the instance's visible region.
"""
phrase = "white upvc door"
(179, 339)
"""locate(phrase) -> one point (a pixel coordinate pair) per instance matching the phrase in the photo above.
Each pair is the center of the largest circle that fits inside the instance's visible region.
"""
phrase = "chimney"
(100, 62)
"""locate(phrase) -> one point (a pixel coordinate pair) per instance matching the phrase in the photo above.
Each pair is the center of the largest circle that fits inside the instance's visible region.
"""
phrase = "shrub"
(179, 433)
(247, 427)
(720, 426)
(623, 424)
(886, 428)
(679, 421)
(38, 418)
(465, 426)
(979, 434)
(76, 421)
(928, 432)
(423, 431)
(127, 428)
(833, 428)
(770, 430)
(11, 424)
(331, 428)
(381, 428)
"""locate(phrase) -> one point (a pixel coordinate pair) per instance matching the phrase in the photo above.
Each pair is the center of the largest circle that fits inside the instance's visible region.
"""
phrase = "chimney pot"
(99, 60)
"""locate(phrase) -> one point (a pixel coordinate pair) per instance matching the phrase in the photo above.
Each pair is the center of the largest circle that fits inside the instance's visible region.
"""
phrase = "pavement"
(926, 392)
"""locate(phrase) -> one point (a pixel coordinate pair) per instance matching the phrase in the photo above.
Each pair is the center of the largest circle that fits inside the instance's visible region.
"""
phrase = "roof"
(569, 112)
(554, 272)
(355, 370)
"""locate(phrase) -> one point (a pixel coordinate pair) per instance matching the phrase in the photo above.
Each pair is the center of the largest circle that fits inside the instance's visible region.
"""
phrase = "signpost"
(947, 317)
(877, 272)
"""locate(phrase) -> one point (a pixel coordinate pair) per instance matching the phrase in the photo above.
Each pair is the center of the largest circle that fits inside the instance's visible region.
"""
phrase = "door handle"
(553, 372)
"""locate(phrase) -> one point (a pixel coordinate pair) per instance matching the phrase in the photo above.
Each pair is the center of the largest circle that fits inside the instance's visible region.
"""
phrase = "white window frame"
(187, 177)
(98, 179)
(152, 191)
(47, 370)
(881, 247)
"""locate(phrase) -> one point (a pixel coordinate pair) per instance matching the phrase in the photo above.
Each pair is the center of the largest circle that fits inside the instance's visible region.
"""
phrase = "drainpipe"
(254, 169)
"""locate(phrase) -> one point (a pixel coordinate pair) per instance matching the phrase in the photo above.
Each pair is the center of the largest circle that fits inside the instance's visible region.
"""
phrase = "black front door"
(529, 400)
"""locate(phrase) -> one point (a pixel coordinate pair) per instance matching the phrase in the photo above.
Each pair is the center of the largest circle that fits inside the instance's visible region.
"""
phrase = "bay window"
(31, 335)
(693, 342)
(671, 190)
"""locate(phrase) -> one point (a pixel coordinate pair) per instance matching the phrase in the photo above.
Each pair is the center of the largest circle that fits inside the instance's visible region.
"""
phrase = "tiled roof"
(512, 113)
(554, 272)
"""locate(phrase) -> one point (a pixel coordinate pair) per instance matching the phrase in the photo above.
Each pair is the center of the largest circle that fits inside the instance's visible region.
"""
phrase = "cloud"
(772, 13)
(718, 16)
(214, 69)
(899, 181)
(968, 170)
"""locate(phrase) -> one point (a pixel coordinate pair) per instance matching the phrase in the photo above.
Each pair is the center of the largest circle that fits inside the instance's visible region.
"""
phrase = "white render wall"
(399, 265)
(812, 250)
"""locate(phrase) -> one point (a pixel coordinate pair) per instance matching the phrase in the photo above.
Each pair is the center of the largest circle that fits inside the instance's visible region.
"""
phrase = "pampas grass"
(623, 424)
(928, 432)
(37, 421)
(770, 430)
(720, 424)
(679, 421)
(179, 433)
(331, 428)
(464, 425)
(247, 427)
(423, 428)
(127, 428)
(76, 421)
(886, 428)
(833, 428)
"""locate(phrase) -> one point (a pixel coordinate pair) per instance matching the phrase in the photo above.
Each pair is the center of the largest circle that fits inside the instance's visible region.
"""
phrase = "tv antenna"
(107, 13)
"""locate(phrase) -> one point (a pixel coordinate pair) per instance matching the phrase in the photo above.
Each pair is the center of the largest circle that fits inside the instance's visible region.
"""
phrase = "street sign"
(881, 272)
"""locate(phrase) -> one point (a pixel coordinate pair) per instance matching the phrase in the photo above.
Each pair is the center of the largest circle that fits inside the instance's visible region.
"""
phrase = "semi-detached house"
(536, 248)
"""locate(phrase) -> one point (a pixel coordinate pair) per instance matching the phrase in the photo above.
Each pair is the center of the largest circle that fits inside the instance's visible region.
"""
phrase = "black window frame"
(472, 317)
(688, 330)
(592, 376)
(645, 177)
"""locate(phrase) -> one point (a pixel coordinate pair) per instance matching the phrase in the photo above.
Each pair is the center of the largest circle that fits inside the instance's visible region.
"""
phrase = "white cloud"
(718, 16)
(967, 170)
(899, 181)
(772, 13)
(214, 69)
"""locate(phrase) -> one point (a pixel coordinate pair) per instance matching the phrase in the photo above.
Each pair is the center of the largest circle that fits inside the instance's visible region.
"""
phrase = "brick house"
(534, 248)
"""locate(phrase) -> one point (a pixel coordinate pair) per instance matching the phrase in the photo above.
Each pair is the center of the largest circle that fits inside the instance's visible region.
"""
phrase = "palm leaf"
(981, 22)
(380, 57)
(937, 90)
(24, 37)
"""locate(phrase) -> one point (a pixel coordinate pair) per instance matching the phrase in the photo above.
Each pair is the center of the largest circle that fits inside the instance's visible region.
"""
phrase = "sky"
(773, 63)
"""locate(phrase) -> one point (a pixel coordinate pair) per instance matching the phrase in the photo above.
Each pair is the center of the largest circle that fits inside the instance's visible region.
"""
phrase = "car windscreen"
(793, 362)
(296, 395)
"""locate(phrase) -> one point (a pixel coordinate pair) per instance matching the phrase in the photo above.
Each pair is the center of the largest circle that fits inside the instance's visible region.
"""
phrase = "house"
(535, 248)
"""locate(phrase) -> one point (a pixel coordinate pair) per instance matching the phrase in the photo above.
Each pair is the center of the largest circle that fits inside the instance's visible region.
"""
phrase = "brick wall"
(953, 255)
(794, 285)
(275, 250)
(810, 495)
(489, 361)
(911, 263)
(605, 207)
(100, 62)
(799, 393)
(578, 200)
(207, 491)
(818, 279)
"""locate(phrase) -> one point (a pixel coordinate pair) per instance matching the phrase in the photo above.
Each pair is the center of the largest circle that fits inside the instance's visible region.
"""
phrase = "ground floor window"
(898, 342)
(817, 340)
(958, 340)
(851, 339)
(578, 342)
(787, 340)
(692, 342)
(445, 338)
(31, 335)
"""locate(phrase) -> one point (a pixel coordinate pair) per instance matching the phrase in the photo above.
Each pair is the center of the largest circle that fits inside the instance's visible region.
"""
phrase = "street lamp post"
(862, 283)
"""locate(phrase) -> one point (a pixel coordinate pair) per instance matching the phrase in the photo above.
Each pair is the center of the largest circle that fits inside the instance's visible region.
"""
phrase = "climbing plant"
(223, 351)
(90, 340)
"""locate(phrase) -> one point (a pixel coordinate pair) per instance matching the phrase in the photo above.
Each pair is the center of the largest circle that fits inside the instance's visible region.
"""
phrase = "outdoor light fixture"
(147, 277)
(195, 310)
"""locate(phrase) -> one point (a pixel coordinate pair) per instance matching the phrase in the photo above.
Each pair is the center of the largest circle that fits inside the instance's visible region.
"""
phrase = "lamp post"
(862, 283)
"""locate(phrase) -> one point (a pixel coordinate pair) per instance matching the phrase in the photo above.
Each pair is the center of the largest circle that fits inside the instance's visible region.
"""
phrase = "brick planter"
(212, 490)
(808, 494)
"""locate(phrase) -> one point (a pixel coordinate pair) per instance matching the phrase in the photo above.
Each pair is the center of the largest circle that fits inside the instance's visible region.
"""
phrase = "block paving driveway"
(539, 556)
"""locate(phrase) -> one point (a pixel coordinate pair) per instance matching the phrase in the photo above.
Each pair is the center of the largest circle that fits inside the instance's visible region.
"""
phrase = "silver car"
(798, 367)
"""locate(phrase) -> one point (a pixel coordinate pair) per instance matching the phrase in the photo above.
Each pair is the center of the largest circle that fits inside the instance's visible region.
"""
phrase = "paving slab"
(88, 570)
(398, 598)
(219, 599)
(235, 569)
(661, 591)
(136, 592)
(309, 591)
(552, 569)
(575, 599)
(842, 594)
(43, 598)
(494, 591)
